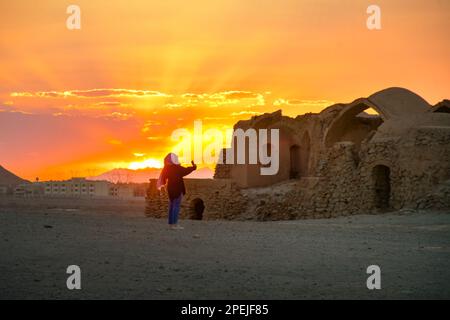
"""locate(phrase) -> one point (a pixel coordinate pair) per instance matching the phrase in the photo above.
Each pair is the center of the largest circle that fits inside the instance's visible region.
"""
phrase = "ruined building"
(340, 161)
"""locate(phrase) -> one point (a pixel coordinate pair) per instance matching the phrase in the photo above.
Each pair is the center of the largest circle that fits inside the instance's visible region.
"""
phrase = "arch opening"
(197, 207)
(305, 150)
(381, 178)
(294, 156)
(355, 125)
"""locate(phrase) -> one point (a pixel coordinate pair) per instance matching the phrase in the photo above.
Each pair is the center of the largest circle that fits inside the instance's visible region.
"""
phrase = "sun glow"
(147, 163)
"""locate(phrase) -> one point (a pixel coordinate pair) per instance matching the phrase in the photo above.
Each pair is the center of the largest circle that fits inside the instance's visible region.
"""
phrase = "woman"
(173, 174)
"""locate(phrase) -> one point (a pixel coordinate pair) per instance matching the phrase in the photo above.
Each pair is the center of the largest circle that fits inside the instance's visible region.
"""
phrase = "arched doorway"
(294, 154)
(381, 177)
(304, 155)
(197, 207)
(299, 158)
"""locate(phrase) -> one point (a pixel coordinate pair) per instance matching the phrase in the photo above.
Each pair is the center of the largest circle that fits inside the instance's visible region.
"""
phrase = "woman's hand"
(194, 165)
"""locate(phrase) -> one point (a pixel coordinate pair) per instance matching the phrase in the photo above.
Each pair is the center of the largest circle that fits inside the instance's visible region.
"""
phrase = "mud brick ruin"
(341, 161)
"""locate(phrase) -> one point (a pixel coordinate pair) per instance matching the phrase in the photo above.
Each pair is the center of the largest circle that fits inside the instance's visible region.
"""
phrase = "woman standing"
(173, 174)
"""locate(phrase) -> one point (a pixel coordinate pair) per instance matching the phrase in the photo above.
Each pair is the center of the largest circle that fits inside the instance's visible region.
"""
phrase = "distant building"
(75, 187)
(122, 190)
(78, 187)
(81, 187)
(29, 190)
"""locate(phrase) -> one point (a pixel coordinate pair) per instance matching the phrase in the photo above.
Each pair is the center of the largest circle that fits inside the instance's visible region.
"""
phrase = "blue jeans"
(174, 209)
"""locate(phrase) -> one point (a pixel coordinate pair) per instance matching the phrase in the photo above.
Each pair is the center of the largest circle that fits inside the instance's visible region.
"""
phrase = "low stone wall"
(219, 198)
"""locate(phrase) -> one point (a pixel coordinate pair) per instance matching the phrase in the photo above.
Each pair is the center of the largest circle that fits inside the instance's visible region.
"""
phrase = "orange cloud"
(93, 93)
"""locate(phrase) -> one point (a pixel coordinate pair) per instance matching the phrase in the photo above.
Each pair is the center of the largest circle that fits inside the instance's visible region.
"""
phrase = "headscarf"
(170, 160)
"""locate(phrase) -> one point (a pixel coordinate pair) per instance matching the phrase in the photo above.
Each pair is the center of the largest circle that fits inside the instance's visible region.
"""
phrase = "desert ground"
(125, 255)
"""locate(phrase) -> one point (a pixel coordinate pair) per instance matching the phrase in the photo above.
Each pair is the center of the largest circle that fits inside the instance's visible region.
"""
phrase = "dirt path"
(132, 257)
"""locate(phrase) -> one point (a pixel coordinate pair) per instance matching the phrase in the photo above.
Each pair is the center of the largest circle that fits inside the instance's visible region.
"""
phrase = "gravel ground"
(134, 257)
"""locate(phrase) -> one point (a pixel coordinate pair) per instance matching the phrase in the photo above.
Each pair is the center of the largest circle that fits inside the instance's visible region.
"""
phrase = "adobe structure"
(341, 161)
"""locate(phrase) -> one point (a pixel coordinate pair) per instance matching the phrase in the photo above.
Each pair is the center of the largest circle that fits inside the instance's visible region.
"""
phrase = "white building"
(78, 187)
(122, 190)
(29, 190)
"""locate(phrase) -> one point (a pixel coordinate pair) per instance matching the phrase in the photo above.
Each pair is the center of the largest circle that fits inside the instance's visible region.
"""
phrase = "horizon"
(114, 177)
(110, 94)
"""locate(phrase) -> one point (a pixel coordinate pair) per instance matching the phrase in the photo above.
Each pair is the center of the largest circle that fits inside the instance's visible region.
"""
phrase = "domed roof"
(399, 102)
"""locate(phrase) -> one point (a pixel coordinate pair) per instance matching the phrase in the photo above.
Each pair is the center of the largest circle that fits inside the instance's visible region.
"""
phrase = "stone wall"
(419, 173)
(418, 164)
(222, 170)
(219, 197)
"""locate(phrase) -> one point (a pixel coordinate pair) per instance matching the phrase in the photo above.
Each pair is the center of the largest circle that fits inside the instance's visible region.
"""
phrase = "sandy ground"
(129, 256)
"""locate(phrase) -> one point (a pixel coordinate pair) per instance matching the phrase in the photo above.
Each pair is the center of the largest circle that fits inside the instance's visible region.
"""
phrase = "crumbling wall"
(222, 169)
(215, 198)
(156, 203)
(418, 168)
(424, 158)
(333, 193)
(417, 164)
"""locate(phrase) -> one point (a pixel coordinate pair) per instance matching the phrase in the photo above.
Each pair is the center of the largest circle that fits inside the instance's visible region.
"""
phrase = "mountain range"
(143, 175)
(7, 178)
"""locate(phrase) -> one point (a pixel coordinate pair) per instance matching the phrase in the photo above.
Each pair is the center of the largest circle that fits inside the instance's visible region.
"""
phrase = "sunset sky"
(81, 102)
